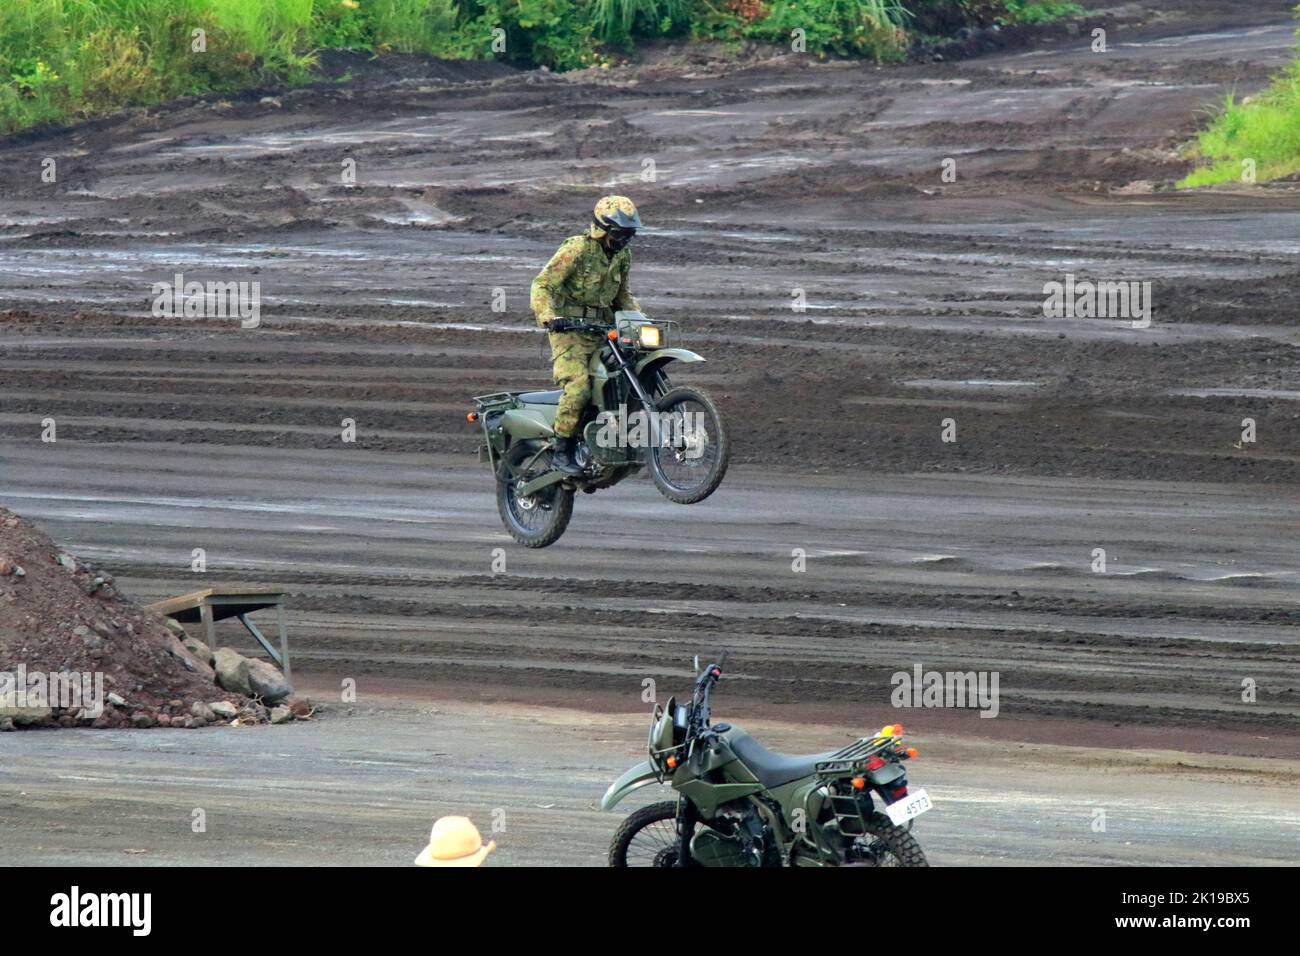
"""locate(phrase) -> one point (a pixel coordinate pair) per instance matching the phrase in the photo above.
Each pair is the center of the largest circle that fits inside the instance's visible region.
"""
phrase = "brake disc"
(695, 443)
(666, 857)
(525, 502)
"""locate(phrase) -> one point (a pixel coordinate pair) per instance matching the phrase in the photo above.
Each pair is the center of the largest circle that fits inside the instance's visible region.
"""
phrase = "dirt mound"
(61, 618)
(364, 67)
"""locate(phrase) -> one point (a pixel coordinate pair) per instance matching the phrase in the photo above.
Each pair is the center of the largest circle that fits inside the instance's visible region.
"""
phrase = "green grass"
(1040, 11)
(1264, 131)
(615, 20)
(871, 29)
(64, 60)
(68, 59)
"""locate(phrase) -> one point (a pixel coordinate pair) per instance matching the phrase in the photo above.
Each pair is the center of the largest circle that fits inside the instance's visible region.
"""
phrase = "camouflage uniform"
(580, 274)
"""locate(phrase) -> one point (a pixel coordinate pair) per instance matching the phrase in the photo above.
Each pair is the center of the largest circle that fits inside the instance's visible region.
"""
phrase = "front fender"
(634, 779)
(667, 355)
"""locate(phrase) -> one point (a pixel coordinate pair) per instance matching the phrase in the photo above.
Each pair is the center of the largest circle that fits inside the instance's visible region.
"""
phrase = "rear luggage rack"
(849, 807)
(852, 758)
(485, 402)
(492, 406)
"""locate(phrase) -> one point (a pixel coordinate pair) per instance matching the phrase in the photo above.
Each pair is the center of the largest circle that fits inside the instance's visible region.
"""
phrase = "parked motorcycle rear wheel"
(887, 845)
(693, 464)
(537, 521)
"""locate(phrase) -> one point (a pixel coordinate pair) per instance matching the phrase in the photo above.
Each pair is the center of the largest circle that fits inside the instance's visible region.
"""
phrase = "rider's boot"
(562, 457)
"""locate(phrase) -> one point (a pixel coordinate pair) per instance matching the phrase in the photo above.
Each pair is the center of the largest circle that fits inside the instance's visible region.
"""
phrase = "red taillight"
(875, 763)
(900, 793)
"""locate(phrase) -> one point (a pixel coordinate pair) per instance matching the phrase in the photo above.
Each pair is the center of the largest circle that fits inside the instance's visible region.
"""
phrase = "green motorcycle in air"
(636, 419)
(739, 804)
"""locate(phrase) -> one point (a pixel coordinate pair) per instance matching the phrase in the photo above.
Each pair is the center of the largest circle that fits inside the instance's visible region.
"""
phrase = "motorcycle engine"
(605, 456)
(735, 837)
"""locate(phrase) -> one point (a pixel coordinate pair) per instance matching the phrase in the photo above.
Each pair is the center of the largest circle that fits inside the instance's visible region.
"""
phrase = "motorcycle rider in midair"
(586, 279)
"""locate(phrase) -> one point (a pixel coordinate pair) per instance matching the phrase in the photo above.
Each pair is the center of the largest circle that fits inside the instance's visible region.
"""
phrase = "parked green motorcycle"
(636, 418)
(742, 805)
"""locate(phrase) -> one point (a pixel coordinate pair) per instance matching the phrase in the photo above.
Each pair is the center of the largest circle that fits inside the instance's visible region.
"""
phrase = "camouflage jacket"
(580, 273)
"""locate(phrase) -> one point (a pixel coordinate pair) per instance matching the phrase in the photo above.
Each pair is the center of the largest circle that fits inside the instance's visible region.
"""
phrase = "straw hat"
(454, 841)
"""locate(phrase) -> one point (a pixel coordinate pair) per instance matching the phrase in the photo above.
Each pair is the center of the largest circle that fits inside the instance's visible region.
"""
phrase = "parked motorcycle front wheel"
(648, 837)
(537, 520)
(690, 459)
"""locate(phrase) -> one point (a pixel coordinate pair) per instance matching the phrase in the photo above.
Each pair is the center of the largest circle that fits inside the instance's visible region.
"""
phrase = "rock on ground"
(232, 671)
(224, 709)
(268, 682)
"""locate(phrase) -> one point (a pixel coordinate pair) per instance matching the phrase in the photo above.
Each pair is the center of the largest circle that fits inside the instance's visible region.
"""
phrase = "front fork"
(642, 395)
(646, 401)
(686, 817)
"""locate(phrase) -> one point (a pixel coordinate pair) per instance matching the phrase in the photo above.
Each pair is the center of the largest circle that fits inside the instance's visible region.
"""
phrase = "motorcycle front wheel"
(689, 460)
(537, 520)
(648, 837)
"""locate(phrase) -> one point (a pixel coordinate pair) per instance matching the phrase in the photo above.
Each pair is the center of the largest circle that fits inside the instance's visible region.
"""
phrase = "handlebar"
(577, 325)
(699, 717)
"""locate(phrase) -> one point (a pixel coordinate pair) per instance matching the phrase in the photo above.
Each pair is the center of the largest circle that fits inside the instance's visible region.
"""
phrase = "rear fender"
(634, 779)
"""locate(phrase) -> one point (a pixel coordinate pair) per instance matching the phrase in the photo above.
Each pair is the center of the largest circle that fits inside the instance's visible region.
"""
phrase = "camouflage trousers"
(571, 353)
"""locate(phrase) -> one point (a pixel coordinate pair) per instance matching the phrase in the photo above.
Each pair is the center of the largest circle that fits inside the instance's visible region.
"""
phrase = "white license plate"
(909, 808)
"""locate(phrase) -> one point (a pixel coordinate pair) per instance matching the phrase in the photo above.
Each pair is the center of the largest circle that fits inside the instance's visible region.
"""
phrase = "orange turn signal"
(912, 752)
(672, 762)
(472, 417)
(858, 783)
(612, 334)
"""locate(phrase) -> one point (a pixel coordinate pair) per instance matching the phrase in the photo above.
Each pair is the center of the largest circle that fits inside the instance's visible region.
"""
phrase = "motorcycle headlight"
(651, 337)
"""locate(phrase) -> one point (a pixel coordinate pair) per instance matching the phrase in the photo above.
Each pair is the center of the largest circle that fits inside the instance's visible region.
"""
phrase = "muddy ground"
(770, 175)
(923, 298)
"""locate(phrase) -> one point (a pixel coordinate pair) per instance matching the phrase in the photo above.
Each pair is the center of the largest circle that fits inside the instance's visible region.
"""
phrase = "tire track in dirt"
(389, 576)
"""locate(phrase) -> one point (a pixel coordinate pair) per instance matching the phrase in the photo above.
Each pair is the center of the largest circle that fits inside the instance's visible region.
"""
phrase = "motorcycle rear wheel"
(886, 845)
(537, 521)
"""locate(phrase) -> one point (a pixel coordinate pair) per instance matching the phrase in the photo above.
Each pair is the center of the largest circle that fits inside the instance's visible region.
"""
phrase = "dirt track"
(326, 796)
(923, 303)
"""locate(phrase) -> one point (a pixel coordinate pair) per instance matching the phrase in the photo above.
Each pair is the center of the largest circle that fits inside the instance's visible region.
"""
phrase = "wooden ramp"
(210, 605)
